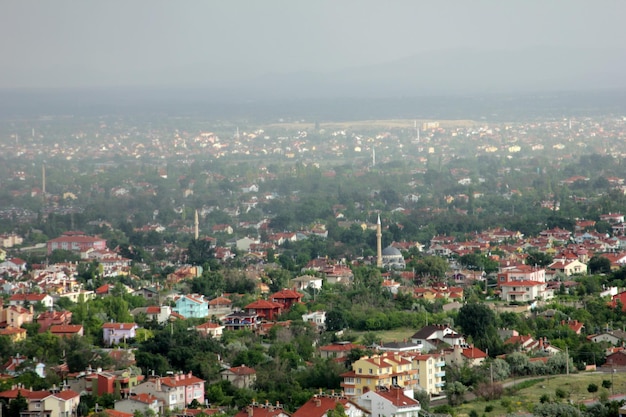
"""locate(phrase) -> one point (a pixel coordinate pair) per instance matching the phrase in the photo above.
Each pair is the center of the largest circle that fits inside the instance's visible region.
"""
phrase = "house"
(616, 360)
(524, 291)
(147, 293)
(318, 318)
(30, 299)
(15, 316)
(386, 369)
(140, 402)
(192, 306)
(265, 310)
(263, 410)
(320, 404)
(464, 355)
(568, 268)
(615, 337)
(619, 299)
(210, 329)
(176, 391)
(304, 282)
(521, 273)
(114, 333)
(53, 403)
(241, 320)
(391, 401)
(220, 307)
(50, 318)
(399, 347)
(67, 330)
(76, 242)
(337, 349)
(155, 314)
(287, 298)
(434, 335)
(15, 334)
(240, 376)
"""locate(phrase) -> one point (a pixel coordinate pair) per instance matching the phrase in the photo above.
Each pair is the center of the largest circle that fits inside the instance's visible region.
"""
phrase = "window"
(371, 371)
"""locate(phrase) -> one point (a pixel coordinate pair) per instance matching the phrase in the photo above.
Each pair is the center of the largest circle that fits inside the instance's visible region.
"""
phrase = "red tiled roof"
(119, 326)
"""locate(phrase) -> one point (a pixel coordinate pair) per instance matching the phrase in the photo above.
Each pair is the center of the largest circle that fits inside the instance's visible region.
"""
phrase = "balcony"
(440, 384)
(440, 374)
(440, 364)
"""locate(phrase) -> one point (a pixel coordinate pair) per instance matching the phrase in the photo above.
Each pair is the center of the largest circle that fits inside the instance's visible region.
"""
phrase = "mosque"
(390, 257)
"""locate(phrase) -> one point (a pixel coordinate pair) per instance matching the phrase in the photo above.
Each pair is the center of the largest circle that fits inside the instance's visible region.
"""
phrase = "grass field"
(522, 401)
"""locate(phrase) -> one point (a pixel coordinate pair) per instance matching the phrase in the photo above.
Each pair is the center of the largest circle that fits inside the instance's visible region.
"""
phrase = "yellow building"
(430, 372)
(386, 370)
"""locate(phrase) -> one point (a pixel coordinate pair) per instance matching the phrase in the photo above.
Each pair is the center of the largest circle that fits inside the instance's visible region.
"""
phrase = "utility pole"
(567, 360)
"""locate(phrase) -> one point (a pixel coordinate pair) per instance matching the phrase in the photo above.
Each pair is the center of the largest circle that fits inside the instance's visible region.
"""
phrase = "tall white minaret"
(43, 181)
(196, 224)
(379, 244)
(373, 156)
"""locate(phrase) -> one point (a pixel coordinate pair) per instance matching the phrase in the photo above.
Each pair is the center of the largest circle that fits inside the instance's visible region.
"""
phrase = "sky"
(76, 44)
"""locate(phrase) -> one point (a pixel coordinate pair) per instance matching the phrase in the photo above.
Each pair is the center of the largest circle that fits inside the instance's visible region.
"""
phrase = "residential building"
(241, 320)
(392, 401)
(320, 404)
(210, 329)
(436, 336)
(114, 333)
(464, 355)
(76, 242)
(318, 318)
(337, 350)
(524, 291)
(46, 403)
(176, 391)
(263, 410)
(140, 402)
(240, 376)
(386, 369)
(192, 306)
(31, 299)
(430, 372)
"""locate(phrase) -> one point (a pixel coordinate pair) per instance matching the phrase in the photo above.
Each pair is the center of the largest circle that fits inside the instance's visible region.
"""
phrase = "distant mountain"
(457, 71)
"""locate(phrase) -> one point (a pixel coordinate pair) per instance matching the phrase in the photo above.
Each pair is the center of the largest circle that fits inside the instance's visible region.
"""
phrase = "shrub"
(545, 398)
(561, 393)
(488, 408)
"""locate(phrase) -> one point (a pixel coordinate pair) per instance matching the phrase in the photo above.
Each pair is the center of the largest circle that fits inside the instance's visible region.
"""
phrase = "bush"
(488, 408)
(545, 398)
(489, 391)
(561, 393)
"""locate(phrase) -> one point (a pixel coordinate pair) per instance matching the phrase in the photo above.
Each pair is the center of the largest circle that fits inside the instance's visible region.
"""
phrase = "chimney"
(250, 411)
(318, 402)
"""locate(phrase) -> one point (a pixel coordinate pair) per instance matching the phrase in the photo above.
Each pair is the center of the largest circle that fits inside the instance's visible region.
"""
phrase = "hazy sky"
(78, 43)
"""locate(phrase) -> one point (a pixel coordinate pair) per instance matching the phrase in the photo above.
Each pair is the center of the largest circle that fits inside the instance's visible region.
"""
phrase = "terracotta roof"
(242, 370)
(119, 326)
(263, 304)
(66, 328)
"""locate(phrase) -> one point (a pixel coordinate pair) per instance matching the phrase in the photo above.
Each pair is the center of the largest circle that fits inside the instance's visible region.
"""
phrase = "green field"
(523, 400)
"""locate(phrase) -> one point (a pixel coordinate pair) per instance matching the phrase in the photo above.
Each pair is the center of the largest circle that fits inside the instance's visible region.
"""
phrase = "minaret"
(43, 182)
(379, 244)
(196, 225)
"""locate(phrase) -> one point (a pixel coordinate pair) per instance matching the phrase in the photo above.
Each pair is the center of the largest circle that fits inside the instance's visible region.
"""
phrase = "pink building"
(76, 242)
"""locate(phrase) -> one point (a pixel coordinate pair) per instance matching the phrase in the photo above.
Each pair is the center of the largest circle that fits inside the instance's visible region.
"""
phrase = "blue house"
(192, 306)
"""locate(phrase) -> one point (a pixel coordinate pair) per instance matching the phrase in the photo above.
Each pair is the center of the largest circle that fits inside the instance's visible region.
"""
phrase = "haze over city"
(314, 49)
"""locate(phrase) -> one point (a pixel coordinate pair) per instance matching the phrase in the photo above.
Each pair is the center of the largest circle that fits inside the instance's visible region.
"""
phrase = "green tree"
(17, 405)
(455, 392)
(479, 322)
